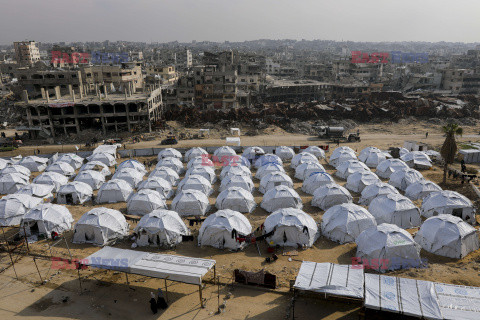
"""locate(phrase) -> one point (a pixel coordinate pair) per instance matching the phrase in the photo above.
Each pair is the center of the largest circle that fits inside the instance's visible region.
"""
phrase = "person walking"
(153, 303)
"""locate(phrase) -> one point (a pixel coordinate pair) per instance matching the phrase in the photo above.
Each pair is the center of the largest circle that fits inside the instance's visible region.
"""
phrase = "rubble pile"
(11, 114)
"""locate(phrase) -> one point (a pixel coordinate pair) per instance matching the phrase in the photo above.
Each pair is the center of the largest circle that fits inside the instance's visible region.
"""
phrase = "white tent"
(42, 191)
(51, 178)
(74, 193)
(132, 176)
(348, 167)
(195, 182)
(225, 152)
(290, 227)
(163, 228)
(274, 179)
(203, 161)
(417, 159)
(160, 185)
(107, 148)
(172, 163)
(61, 167)
(12, 182)
(344, 222)
(374, 190)
(15, 168)
(46, 218)
(448, 202)
(316, 151)
(114, 191)
(402, 151)
(373, 157)
(236, 161)
(433, 155)
(206, 172)
(395, 209)
(193, 153)
(357, 181)
(281, 197)
(235, 170)
(251, 153)
(389, 166)
(133, 164)
(402, 178)
(386, 243)
(421, 189)
(97, 166)
(304, 170)
(302, 158)
(100, 226)
(315, 181)
(3, 163)
(268, 158)
(93, 178)
(240, 181)
(366, 151)
(236, 198)
(221, 229)
(267, 168)
(72, 159)
(341, 154)
(144, 202)
(105, 158)
(34, 163)
(447, 236)
(285, 153)
(169, 153)
(14, 206)
(165, 173)
(329, 195)
(190, 203)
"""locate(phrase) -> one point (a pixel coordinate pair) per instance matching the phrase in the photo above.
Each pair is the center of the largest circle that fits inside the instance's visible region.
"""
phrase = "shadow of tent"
(312, 307)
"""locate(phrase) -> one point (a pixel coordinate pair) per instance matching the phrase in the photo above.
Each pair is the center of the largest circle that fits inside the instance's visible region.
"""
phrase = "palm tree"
(449, 148)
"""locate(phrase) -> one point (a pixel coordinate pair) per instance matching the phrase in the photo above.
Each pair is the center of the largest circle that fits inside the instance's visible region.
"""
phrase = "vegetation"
(449, 147)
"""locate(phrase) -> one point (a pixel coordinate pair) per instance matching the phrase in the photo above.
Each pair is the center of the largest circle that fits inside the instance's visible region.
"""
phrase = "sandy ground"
(106, 295)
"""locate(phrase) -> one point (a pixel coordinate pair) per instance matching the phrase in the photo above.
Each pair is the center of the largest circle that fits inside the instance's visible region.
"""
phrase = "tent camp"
(12, 182)
(172, 163)
(93, 178)
(42, 191)
(169, 153)
(389, 166)
(421, 189)
(133, 164)
(304, 170)
(235, 170)
(373, 157)
(302, 158)
(267, 168)
(395, 209)
(193, 153)
(290, 227)
(252, 153)
(222, 228)
(72, 159)
(348, 167)
(61, 167)
(200, 162)
(100, 226)
(448, 202)
(329, 195)
(344, 222)
(357, 181)
(341, 154)
(418, 160)
(160, 185)
(51, 178)
(268, 158)
(402, 178)
(132, 176)
(165, 173)
(114, 191)
(204, 171)
(366, 151)
(225, 152)
(281, 197)
(14, 206)
(15, 168)
(105, 158)
(195, 182)
(447, 236)
(97, 166)
(374, 190)
(34, 163)
(274, 179)
(46, 218)
(240, 181)
(285, 153)
(160, 228)
(145, 201)
(190, 203)
(237, 199)
(74, 193)
(316, 151)
(236, 161)
(315, 181)
(389, 245)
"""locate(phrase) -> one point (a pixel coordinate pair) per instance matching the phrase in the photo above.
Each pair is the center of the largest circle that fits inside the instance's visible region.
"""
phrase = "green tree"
(449, 148)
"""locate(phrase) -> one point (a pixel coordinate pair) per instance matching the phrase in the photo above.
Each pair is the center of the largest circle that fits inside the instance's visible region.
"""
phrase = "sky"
(239, 20)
